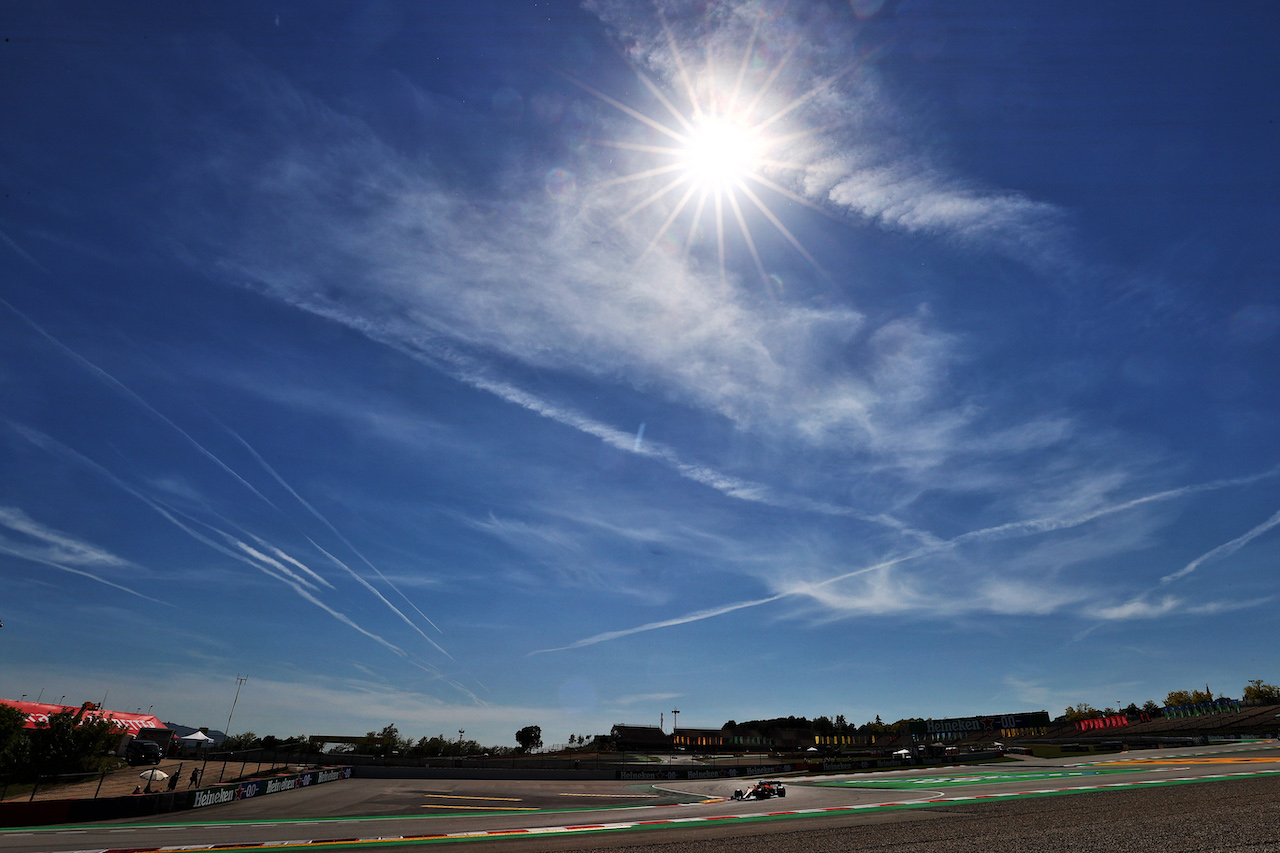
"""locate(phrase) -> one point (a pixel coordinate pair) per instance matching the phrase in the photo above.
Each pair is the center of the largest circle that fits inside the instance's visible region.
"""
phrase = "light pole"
(240, 680)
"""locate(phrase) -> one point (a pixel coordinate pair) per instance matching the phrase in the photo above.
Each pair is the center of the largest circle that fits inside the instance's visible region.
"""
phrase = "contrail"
(17, 553)
(283, 556)
(115, 383)
(266, 467)
(47, 443)
(279, 555)
(23, 253)
(1046, 525)
(380, 596)
(998, 532)
(461, 369)
(111, 381)
(1224, 550)
(666, 623)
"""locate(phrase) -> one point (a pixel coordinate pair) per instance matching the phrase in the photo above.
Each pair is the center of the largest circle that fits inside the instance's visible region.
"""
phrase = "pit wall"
(45, 812)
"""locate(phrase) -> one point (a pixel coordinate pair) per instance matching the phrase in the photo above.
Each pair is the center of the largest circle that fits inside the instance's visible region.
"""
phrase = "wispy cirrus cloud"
(486, 293)
(884, 588)
(851, 152)
(38, 543)
(47, 543)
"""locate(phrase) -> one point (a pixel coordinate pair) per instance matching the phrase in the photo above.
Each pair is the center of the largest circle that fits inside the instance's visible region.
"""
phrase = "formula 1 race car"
(761, 791)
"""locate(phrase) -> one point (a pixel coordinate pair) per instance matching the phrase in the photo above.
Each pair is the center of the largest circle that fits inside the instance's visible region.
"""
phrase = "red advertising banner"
(1102, 722)
(39, 712)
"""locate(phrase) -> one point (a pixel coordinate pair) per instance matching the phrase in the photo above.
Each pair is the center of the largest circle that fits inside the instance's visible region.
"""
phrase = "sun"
(720, 153)
(713, 156)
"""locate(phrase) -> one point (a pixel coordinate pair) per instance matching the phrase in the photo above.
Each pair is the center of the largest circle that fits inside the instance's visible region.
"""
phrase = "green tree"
(1257, 693)
(1189, 697)
(391, 740)
(1151, 707)
(430, 747)
(244, 740)
(14, 745)
(66, 744)
(1083, 711)
(529, 738)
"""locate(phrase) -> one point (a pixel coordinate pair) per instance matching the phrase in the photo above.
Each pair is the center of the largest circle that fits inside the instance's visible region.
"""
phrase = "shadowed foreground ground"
(1226, 816)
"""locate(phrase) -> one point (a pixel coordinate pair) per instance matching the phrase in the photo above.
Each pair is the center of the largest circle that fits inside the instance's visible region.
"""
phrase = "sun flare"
(713, 155)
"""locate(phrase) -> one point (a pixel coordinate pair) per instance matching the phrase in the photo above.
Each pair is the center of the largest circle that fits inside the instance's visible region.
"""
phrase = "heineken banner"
(261, 787)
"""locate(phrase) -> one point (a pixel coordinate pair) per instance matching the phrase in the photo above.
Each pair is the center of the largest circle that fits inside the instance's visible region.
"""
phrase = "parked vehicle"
(143, 752)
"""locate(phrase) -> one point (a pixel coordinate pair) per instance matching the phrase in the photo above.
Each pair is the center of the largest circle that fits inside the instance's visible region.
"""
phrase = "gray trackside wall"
(45, 812)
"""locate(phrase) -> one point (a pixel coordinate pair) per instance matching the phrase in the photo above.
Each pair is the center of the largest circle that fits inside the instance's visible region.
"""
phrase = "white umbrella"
(154, 775)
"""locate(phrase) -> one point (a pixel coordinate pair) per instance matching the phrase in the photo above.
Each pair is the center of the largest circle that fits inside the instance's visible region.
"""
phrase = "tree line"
(1255, 692)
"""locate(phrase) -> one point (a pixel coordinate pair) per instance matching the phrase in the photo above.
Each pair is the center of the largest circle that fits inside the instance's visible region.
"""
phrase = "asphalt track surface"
(1216, 798)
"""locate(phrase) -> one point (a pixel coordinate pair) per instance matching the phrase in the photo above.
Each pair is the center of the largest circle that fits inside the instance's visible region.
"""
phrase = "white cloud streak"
(665, 623)
(886, 594)
(111, 382)
(1224, 550)
(56, 549)
(114, 383)
(266, 565)
(343, 539)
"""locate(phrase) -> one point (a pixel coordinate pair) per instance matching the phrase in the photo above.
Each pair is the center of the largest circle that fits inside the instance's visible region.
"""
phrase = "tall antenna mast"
(240, 680)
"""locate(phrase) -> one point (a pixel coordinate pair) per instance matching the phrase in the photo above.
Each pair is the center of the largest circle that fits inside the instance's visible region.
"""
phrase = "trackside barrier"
(219, 794)
(45, 812)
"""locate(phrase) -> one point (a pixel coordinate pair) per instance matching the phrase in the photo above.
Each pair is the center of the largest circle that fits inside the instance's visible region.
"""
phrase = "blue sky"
(557, 364)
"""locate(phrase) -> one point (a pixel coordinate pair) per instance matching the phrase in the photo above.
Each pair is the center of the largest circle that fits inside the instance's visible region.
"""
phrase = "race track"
(1208, 798)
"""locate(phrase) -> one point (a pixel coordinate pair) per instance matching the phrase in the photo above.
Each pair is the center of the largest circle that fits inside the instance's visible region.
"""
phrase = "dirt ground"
(121, 782)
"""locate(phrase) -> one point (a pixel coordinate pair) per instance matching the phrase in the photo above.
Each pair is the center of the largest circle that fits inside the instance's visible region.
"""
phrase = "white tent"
(197, 738)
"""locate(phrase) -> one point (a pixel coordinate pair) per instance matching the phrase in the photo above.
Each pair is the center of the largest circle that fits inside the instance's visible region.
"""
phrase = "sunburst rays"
(710, 158)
